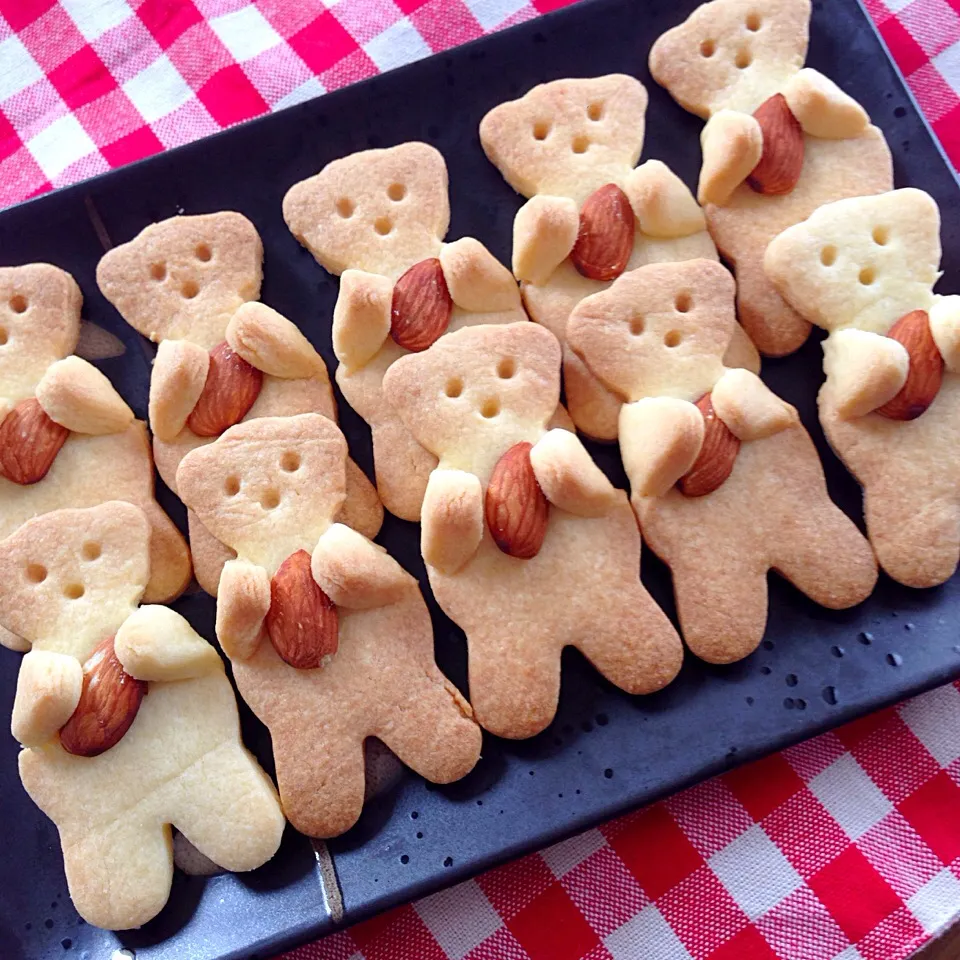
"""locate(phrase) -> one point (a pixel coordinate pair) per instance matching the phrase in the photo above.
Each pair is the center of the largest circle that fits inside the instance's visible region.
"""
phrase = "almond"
(230, 390)
(515, 507)
(421, 308)
(605, 239)
(108, 705)
(715, 461)
(924, 373)
(302, 620)
(781, 161)
(29, 442)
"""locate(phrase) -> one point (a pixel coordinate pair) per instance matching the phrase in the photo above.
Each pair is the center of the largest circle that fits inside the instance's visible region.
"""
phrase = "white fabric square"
(245, 33)
(19, 68)
(158, 90)
(460, 918)
(309, 88)
(851, 953)
(94, 18)
(399, 44)
(754, 871)
(948, 63)
(491, 13)
(646, 935)
(851, 797)
(896, 6)
(934, 719)
(935, 903)
(62, 143)
(564, 856)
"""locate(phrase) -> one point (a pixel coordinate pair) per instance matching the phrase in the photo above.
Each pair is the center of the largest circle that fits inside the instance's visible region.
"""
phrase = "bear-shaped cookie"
(377, 220)
(725, 480)
(191, 284)
(128, 721)
(67, 439)
(528, 546)
(330, 638)
(571, 147)
(780, 140)
(864, 270)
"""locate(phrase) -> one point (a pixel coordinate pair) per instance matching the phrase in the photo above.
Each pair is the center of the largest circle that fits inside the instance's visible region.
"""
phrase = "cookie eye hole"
(203, 253)
(270, 499)
(91, 550)
(636, 326)
(595, 111)
(454, 387)
(683, 303)
(828, 256)
(345, 208)
(490, 408)
(158, 271)
(506, 368)
(708, 48)
(881, 236)
(672, 339)
(867, 276)
(189, 289)
(743, 59)
(73, 591)
(4, 336)
(383, 225)
(36, 572)
(580, 144)
(541, 130)
(18, 303)
(396, 192)
(290, 462)
(754, 22)
(231, 486)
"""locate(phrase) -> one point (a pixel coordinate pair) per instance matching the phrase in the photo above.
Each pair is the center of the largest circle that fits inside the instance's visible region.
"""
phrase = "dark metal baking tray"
(606, 752)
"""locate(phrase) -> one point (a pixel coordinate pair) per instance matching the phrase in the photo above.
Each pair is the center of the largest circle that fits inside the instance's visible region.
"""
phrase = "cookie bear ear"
(183, 278)
(658, 331)
(732, 54)
(568, 137)
(862, 262)
(70, 578)
(379, 210)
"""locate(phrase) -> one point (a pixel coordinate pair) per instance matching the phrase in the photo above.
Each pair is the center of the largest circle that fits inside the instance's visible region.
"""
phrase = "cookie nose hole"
(18, 303)
(73, 591)
(636, 326)
(828, 256)
(396, 192)
(91, 550)
(506, 368)
(270, 500)
(580, 144)
(881, 236)
(753, 22)
(743, 59)
(290, 462)
(231, 486)
(490, 408)
(36, 572)
(454, 387)
(683, 303)
(672, 339)
(708, 48)
(158, 271)
(383, 225)
(189, 289)
(345, 208)
(203, 252)
(541, 130)
(595, 111)
(867, 276)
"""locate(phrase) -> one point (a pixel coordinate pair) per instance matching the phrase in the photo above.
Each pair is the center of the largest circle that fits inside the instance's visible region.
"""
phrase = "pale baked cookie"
(377, 220)
(128, 720)
(571, 147)
(330, 639)
(67, 439)
(725, 480)
(780, 140)
(528, 546)
(191, 284)
(864, 270)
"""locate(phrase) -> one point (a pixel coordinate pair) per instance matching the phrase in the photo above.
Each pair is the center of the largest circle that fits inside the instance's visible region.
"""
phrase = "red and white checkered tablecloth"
(844, 847)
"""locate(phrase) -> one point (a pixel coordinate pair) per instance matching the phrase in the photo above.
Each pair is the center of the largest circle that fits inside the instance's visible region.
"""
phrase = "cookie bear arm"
(48, 691)
(568, 476)
(361, 318)
(749, 407)
(243, 601)
(660, 438)
(452, 519)
(268, 341)
(477, 281)
(663, 205)
(822, 108)
(179, 374)
(79, 397)
(945, 329)
(155, 643)
(544, 232)
(732, 143)
(864, 370)
(355, 573)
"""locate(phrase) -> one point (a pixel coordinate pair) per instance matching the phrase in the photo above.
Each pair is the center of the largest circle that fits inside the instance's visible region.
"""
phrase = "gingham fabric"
(842, 848)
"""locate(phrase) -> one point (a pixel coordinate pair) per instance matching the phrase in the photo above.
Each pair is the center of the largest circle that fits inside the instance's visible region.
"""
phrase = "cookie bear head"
(268, 487)
(183, 278)
(732, 54)
(380, 211)
(39, 324)
(69, 579)
(568, 137)
(658, 331)
(862, 262)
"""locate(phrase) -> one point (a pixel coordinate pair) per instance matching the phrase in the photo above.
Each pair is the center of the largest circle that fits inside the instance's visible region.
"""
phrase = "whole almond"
(715, 461)
(605, 239)
(781, 161)
(29, 442)
(230, 390)
(925, 372)
(421, 307)
(302, 621)
(108, 704)
(515, 507)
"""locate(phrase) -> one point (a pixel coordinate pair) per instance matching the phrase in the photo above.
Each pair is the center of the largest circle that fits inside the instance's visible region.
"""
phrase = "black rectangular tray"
(606, 752)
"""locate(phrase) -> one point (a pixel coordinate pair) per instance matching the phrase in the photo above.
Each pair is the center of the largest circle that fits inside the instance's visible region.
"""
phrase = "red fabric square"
(906, 51)
(322, 43)
(127, 49)
(399, 933)
(513, 886)
(289, 18)
(9, 141)
(932, 24)
(545, 6)
(709, 815)
(109, 118)
(934, 812)
(896, 761)
(231, 97)
(604, 891)
(18, 13)
(895, 937)
(551, 927)
(763, 786)
(702, 912)
(812, 757)
(408, 6)
(805, 833)
(168, 19)
(52, 38)
(799, 927)
(134, 146)
(947, 129)
(854, 893)
(855, 732)
(198, 54)
(654, 848)
(82, 78)
(445, 23)
(366, 19)
(353, 67)
(501, 945)
(21, 177)
(748, 944)
(935, 96)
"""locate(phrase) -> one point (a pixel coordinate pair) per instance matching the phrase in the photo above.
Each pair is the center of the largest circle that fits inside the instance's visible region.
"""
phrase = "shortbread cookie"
(67, 439)
(864, 270)
(330, 639)
(377, 219)
(571, 147)
(780, 140)
(190, 284)
(528, 546)
(128, 720)
(726, 482)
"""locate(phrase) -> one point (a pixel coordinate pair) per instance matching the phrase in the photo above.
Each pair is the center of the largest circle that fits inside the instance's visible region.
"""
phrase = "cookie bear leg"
(594, 409)
(775, 328)
(209, 554)
(403, 468)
